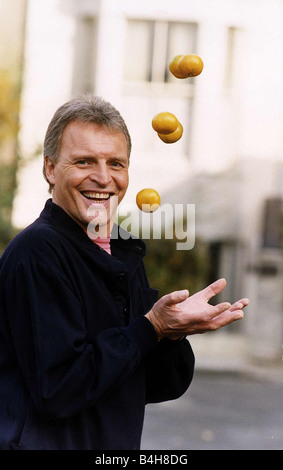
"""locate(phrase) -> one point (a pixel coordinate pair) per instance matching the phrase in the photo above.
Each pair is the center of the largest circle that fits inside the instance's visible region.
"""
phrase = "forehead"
(84, 136)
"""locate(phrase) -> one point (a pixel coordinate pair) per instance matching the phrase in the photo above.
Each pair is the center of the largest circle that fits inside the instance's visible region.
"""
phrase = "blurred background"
(229, 162)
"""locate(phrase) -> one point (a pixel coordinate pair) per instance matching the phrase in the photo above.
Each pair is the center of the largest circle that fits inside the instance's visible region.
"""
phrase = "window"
(234, 56)
(151, 45)
(182, 39)
(84, 55)
(149, 87)
(272, 236)
(139, 51)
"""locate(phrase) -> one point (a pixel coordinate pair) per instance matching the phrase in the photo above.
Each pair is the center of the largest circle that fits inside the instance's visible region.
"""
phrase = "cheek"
(71, 178)
(123, 181)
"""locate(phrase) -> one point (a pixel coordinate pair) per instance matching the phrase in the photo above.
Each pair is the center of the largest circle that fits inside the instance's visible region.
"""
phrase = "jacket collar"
(121, 241)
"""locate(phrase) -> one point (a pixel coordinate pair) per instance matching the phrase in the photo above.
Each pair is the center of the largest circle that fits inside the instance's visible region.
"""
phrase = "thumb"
(175, 297)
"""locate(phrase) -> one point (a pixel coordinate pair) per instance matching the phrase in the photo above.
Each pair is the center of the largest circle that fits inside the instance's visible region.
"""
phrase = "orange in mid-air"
(165, 122)
(148, 200)
(185, 66)
(173, 67)
(173, 137)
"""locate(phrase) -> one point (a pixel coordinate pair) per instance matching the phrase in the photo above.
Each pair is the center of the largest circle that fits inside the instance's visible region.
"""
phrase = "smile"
(97, 197)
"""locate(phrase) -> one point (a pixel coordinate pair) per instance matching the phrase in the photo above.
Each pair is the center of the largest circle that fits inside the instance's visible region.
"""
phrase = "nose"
(101, 174)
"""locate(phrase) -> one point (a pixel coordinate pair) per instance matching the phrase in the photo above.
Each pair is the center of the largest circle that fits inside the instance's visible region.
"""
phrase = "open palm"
(176, 314)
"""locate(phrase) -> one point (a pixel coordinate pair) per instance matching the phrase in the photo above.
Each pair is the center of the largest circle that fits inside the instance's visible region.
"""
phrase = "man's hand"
(176, 315)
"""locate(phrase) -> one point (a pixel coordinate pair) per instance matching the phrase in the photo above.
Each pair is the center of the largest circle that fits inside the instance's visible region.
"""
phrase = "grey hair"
(87, 109)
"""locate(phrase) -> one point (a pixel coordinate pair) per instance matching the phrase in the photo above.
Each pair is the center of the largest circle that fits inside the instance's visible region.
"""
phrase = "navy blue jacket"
(78, 359)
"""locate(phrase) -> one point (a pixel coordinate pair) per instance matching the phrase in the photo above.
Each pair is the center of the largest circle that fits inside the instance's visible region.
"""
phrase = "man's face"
(91, 173)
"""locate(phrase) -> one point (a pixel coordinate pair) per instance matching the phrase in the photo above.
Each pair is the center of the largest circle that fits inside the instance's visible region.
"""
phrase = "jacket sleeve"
(170, 365)
(63, 370)
(169, 370)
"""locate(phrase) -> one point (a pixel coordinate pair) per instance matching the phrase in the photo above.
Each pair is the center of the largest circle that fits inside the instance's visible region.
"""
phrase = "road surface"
(219, 412)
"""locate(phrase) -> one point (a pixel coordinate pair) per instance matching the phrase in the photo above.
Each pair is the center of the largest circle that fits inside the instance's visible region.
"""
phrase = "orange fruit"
(148, 200)
(173, 67)
(190, 65)
(173, 137)
(165, 123)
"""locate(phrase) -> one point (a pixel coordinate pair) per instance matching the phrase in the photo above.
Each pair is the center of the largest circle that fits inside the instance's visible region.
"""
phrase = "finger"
(239, 304)
(226, 318)
(245, 301)
(213, 289)
(175, 297)
(220, 308)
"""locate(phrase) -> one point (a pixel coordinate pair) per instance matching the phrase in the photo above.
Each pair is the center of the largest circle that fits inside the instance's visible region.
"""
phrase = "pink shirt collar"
(103, 243)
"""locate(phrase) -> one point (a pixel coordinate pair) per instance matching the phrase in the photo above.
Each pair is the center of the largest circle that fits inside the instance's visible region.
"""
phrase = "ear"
(49, 166)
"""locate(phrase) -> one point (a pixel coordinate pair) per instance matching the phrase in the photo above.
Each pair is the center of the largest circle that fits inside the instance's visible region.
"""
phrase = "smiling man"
(92, 168)
(84, 342)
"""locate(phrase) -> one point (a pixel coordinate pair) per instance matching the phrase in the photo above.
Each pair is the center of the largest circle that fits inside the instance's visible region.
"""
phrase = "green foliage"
(9, 127)
(9, 105)
(7, 189)
(169, 269)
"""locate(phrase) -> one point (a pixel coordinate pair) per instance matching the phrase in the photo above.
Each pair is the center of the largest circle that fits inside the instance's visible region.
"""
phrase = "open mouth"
(96, 197)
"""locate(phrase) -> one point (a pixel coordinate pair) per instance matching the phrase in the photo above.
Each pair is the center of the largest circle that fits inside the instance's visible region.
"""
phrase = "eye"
(119, 163)
(116, 164)
(82, 162)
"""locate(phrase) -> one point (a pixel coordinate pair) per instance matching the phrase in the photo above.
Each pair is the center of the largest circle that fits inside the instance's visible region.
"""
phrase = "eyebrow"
(94, 157)
(91, 158)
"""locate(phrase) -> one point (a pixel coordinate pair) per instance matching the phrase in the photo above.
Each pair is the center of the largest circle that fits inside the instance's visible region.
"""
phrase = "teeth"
(90, 195)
